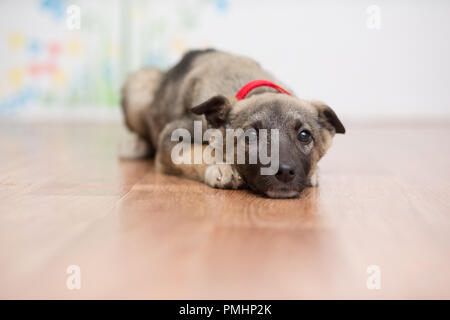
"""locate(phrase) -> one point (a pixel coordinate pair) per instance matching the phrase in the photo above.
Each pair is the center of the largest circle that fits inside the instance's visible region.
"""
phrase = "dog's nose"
(285, 173)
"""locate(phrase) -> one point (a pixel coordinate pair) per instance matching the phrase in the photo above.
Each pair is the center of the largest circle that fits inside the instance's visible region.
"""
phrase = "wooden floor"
(66, 199)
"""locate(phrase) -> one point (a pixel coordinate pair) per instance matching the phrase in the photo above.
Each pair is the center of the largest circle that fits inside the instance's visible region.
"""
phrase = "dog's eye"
(304, 136)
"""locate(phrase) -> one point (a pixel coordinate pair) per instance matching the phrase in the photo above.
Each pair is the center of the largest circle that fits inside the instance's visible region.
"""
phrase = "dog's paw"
(134, 148)
(314, 179)
(223, 176)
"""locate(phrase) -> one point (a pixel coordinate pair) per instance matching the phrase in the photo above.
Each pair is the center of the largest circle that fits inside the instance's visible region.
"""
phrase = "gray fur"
(208, 80)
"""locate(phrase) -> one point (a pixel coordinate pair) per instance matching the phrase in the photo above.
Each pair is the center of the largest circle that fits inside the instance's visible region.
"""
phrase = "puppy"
(219, 89)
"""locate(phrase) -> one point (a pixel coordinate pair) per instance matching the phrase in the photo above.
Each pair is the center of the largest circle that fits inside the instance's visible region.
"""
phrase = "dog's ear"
(328, 117)
(215, 110)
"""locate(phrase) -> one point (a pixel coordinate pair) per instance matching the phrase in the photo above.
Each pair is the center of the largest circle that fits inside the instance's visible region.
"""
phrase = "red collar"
(255, 84)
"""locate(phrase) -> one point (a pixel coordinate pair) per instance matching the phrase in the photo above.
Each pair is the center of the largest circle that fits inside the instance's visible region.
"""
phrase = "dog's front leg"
(223, 176)
(218, 175)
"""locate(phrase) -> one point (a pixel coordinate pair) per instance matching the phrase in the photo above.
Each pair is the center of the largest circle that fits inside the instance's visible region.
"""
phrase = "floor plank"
(66, 199)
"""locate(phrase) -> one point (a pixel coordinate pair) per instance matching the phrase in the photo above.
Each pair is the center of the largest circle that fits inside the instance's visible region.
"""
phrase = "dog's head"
(305, 130)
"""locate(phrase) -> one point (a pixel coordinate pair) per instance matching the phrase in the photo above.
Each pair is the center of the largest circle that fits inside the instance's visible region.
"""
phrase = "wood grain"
(65, 198)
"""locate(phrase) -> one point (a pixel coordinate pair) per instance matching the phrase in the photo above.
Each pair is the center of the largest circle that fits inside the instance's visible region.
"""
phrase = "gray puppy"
(203, 86)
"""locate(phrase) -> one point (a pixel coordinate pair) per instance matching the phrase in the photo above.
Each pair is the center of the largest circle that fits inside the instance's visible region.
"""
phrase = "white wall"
(321, 49)
(324, 50)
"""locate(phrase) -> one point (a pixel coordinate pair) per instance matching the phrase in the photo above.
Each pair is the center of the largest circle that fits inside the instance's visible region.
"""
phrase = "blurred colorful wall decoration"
(49, 69)
(45, 66)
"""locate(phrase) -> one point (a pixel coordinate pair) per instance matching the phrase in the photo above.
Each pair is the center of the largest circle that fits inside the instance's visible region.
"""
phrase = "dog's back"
(165, 97)
(207, 85)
